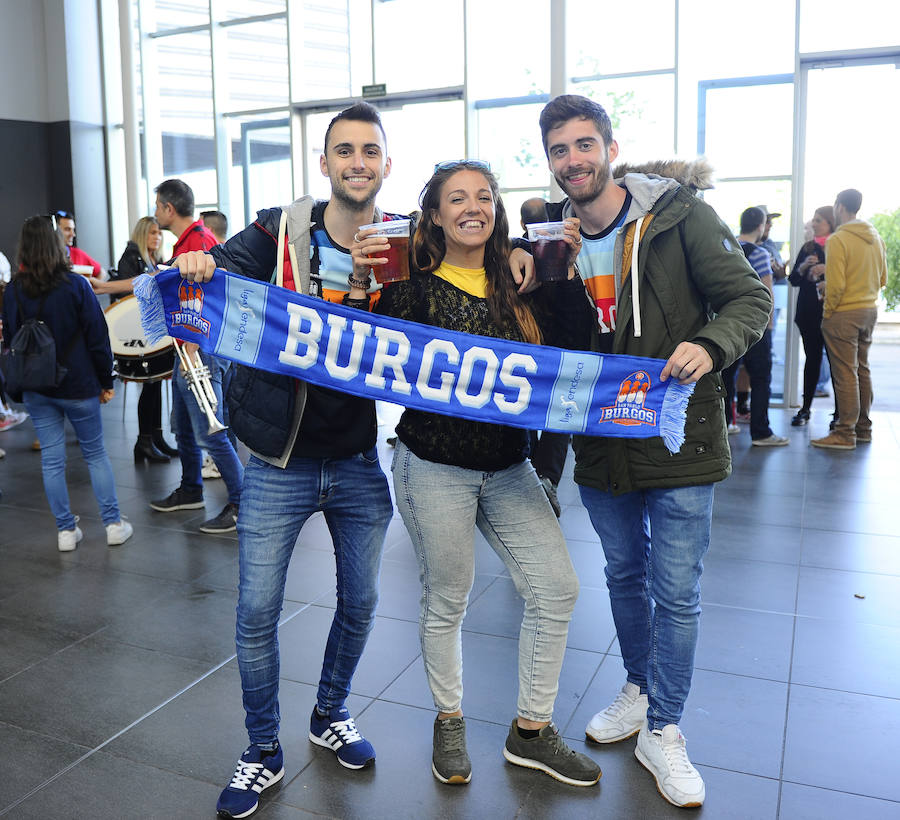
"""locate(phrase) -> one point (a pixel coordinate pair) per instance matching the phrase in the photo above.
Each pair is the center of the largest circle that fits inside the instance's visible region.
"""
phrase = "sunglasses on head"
(63, 215)
(447, 165)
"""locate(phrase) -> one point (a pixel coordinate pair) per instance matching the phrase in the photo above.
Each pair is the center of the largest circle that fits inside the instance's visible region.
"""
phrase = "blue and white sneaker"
(240, 798)
(337, 731)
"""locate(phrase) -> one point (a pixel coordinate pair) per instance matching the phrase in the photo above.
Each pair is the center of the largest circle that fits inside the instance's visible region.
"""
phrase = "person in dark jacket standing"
(313, 450)
(44, 287)
(670, 281)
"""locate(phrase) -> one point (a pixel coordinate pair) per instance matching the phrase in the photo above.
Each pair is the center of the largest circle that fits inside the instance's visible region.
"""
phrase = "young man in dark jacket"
(313, 449)
(685, 294)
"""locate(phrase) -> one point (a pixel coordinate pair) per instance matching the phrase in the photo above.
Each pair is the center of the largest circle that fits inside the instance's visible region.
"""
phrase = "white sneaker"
(664, 754)
(733, 428)
(118, 533)
(622, 718)
(67, 540)
(209, 468)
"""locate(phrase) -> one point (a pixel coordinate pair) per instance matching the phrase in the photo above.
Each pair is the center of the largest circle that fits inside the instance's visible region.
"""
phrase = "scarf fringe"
(153, 312)
(673, 415)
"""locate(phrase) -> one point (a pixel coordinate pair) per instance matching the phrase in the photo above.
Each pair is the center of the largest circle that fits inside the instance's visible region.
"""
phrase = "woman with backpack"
(43, 288)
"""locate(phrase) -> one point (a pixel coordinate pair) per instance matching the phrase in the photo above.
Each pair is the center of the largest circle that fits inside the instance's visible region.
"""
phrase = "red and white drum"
(135, 359)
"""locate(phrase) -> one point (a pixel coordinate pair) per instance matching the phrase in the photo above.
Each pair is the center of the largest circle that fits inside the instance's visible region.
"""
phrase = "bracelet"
(358, 283)
(362, 304)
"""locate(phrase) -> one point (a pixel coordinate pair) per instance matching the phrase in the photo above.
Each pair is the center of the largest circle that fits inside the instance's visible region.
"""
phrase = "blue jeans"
(191, 432)
(49, 416)
(441, 505)
(654, 542)
(353, 493)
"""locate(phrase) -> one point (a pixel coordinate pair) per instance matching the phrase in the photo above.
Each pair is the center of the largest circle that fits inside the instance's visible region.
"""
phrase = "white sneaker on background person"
(118, 533)
(209, 468)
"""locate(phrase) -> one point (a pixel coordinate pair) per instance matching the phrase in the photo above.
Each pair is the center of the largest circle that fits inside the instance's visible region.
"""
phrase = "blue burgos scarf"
(419, 366)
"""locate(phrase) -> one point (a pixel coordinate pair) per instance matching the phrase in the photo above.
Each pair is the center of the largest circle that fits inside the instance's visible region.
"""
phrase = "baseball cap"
(765, 210)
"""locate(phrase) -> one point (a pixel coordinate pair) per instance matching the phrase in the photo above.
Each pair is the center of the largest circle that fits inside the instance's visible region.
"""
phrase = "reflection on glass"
(177, 13)
(185, 112)
(735, 118)
(418, 45)
(233, 9)
(618, 54)
(832, 25)
(267, 161)
(510, 139)
(257, 60)
(642, 110)
(515, 63)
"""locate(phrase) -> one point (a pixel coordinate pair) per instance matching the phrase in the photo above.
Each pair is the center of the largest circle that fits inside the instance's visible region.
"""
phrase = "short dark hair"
(751, 219)
(216, 221)
(359, 112)
(851, 199)
(573, 106)
(533, 210)
(178, 194)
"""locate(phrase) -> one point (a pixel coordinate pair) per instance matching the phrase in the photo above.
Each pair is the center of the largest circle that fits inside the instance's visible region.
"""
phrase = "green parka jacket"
(694, 284)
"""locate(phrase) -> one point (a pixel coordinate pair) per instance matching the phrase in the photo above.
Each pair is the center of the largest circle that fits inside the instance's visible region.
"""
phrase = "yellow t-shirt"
(472, 281)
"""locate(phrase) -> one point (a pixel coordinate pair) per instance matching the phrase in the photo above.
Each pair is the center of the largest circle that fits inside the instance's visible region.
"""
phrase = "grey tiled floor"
(120, 698)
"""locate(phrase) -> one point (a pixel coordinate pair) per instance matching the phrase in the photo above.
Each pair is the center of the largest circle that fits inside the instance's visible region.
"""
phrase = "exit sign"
(374, 90)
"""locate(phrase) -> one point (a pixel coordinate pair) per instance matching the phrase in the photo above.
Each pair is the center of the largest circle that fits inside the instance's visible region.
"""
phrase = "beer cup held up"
(549, 250)
(396, 232)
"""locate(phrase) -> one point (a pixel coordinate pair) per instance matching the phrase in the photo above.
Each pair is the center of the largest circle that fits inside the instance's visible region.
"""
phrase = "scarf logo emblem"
(190, 314)
(629, 408)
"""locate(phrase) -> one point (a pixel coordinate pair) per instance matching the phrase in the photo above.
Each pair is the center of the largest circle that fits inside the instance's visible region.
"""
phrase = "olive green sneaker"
(449, 761)
(549, 753)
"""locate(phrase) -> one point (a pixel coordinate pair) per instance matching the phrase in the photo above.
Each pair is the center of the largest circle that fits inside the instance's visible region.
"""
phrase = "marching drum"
(135, 359)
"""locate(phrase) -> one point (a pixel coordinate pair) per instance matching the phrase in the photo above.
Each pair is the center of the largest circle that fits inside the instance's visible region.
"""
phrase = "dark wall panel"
(35, 174)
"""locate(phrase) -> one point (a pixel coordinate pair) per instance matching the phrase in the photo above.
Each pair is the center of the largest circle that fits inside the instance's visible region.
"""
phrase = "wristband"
(358, 283)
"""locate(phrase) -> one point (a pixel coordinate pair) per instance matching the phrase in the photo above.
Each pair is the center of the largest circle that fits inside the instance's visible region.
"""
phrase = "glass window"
(418, 45)
(185, 112)
(261, 148)
(508, 48)
(169, 14)
(642, 110)
(510, 139)
(257, 65)
(732, 40)
(412, 165)
(598, 45)
(324, 47)
(827, 25)
(729, 199)
(235, 9)
(749, 130)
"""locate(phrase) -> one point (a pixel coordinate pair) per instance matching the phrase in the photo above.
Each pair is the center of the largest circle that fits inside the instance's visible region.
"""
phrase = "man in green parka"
(686, 294)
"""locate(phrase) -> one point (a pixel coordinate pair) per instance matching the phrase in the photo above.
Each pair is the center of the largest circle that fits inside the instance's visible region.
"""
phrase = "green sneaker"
(449, 761)
(549, 753)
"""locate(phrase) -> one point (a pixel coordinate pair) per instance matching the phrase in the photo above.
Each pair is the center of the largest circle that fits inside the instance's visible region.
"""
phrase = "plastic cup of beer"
(550, 251)
(396, 232)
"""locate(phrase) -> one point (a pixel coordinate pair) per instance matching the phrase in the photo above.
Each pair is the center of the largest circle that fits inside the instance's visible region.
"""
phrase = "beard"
(353, 200)
(587, 193)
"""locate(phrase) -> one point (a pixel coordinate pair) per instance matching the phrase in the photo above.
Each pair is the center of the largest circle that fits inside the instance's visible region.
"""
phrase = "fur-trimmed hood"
(696, 174)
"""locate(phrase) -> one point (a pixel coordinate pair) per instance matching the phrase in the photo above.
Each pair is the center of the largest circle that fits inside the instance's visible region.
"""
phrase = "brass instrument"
(196, 376)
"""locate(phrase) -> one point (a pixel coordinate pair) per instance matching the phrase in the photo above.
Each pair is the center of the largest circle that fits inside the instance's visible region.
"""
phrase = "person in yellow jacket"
(855, 273)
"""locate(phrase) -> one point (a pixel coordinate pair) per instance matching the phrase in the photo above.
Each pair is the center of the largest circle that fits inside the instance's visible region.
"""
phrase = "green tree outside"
(888, 226)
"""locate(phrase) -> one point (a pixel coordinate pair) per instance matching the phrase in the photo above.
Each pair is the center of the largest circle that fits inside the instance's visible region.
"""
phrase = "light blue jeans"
(49, 416)
(441, 505)
(353, 493)
(654, 542)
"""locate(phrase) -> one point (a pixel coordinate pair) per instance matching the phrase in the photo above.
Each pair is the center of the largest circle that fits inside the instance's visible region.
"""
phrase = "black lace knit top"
(564, 316)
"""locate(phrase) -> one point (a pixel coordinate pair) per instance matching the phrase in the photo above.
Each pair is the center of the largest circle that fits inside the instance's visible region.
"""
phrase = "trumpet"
(196, 376)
